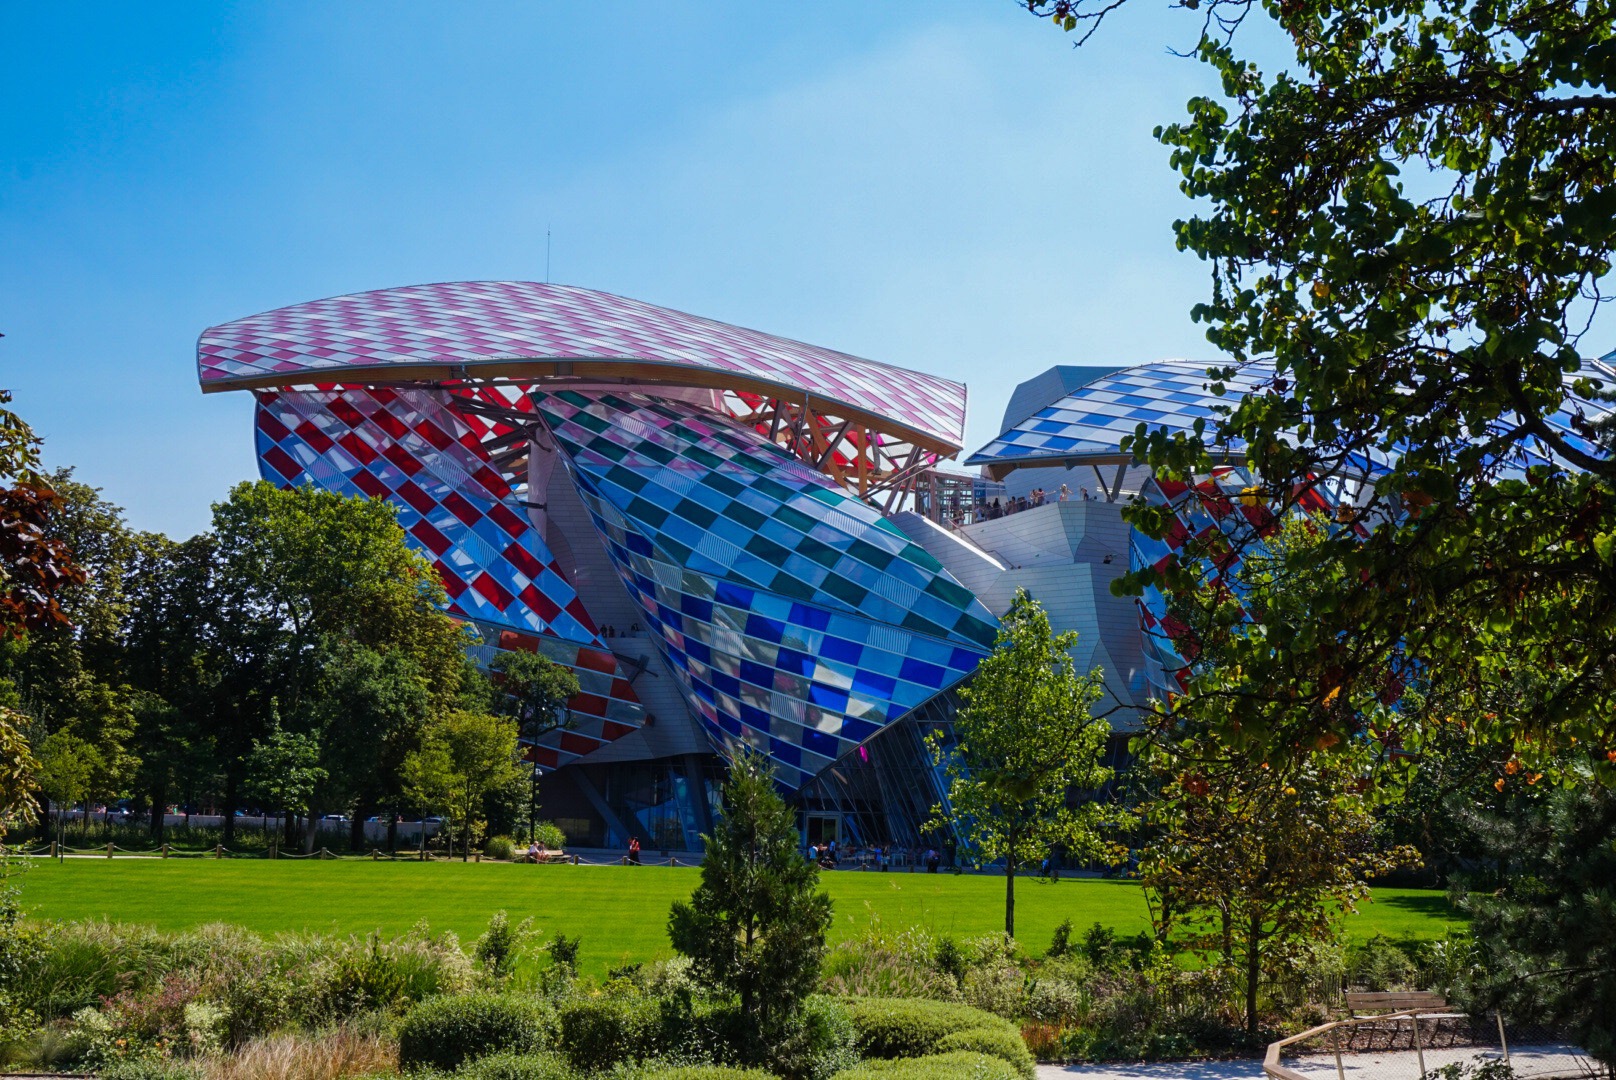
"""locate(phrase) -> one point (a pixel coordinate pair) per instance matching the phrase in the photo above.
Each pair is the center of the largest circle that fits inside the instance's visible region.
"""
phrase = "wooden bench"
(544, 856)
(1420, 1004)
(1361, 1003)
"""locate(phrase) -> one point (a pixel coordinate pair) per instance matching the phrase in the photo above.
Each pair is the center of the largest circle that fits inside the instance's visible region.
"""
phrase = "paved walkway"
(1529, 1061)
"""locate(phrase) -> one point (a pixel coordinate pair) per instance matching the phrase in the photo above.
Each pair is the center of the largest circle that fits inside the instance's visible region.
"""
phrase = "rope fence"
(275, 851)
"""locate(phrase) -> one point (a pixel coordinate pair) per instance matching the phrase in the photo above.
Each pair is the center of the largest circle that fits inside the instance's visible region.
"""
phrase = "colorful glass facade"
(1086, 427)
(792, 615)
(799, 620)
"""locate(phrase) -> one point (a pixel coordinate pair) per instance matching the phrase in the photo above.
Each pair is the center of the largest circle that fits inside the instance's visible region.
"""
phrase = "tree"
(1256, 860)
(284, 771)
(67, 767)
(463, 758)
(1546, 937)
(1023, 742)
(18, 773)
(430, 780)
(754, 928)
(34, 566)
(1256, 848)
(1414, 222)
(301, 577)
(534, 690)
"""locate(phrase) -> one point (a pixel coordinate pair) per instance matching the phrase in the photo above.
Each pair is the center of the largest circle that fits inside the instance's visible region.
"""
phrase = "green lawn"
(620, 912)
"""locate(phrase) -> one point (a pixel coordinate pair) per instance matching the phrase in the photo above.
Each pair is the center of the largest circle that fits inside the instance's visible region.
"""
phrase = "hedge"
(509, 1065)
(1000, 1044)
(443, 1032)
(913, 1027)
(960, 1065)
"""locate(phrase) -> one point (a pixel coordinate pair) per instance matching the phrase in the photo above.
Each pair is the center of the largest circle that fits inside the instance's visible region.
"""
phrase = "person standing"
(634, 850)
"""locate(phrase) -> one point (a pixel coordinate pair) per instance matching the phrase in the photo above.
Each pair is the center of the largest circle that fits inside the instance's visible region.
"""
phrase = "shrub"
(497, 949)
(820, 1044)
(549, 836)
(499, 847)
(1381, 965)
(1061, 943)
(894, 1028)
(509, 1065)
(995, 1043)
(600, 1032)
(443, 1032)
(134, 1068)
(695, 1072)
(959, 1065)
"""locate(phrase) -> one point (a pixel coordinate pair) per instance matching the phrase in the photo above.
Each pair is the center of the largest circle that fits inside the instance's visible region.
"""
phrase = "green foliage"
(755, 926)
(502, 848)
(695, 1072)
(1022, 741)
(1061, 943)
(284, 771)
(533, 690)
(517, 1065)
(1379, 964)
(462, 759)
(597, 1033)
(444, 1032)
(1545, 943)
(497, 950)
(1251, 860)
(18, 770)
(958, 1065)
(67, 766)
(549, 835)
(896, 1027)
(1000, 1044)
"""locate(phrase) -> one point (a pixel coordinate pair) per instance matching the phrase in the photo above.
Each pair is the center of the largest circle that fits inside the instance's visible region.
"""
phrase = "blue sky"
(946, 186)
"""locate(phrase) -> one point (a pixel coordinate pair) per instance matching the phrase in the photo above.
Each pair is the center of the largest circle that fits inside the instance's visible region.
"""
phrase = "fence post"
(1335, 1045)
(673, 860)
(53, 849)
(165, 849)
(1419, 1049)
(1502, 1042)
(375, 854)
(109, 851)
(575, 860)
(218, 851)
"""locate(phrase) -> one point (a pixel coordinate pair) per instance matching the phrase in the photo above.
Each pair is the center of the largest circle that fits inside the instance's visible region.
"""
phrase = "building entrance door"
(824, 828)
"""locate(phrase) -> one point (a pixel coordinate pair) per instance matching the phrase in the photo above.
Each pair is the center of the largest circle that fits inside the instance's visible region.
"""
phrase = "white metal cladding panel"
(971, 566)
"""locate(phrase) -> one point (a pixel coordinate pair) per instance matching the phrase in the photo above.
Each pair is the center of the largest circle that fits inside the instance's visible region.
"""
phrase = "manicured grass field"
(619, 912)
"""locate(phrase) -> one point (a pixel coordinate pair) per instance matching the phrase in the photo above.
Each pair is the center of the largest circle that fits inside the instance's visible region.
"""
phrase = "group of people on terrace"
(832, 856)
(998, 508)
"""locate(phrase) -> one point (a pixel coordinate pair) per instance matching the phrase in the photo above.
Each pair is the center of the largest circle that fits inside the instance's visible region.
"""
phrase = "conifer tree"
(755, 926)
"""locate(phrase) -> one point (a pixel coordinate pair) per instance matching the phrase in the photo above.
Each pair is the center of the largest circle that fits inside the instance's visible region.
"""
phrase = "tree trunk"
(159, 811)
(1010, 895)
(230, 784)
(1253, 970)
(356, 827)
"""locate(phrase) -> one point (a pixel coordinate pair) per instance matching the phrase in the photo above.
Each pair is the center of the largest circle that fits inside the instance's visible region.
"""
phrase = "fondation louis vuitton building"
(731, 538)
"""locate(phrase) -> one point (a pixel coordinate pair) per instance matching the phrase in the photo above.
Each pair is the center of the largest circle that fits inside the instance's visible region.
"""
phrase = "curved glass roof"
(1086, 426)
(527, 330)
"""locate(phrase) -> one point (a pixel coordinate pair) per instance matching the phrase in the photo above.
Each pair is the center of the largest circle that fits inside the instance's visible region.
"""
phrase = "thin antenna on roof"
(547, 254)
